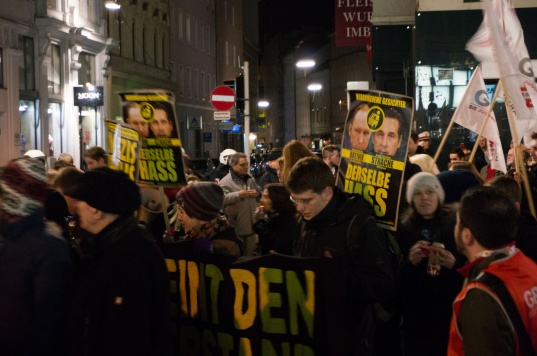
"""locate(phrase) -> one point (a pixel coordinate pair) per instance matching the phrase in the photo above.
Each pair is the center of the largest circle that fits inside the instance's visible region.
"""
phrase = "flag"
(472, 113)
(496, 157)
(500, 39)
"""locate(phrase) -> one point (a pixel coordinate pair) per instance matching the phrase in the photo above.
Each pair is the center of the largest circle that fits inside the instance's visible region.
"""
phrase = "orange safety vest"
(519, 274)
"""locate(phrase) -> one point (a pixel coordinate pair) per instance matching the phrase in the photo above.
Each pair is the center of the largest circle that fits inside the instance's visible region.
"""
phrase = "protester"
(241, 194)
(526, 238)
(95, 157)
(425, 142)
(67, 158)
(121, 304)
(276, 224)
(271, 169)
(198, 210)
(292, 152)
(456, 182)
(340, 226)
(425, 162)
(429, 280)
(223, 168)
(36, 275)
(496, 312)
(456, 155)
(331, 157)
(453, 166)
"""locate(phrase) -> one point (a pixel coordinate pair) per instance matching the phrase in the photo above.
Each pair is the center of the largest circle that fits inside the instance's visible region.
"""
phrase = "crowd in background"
(69, 240)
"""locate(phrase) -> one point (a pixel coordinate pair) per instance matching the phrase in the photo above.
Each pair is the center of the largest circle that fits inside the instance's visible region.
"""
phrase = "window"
(54, 70)
(86, 73)
(226, 53)
(189, 82)
(27, 64)
(181, 81)
(180, 24)
(187, 24)
(1, 68)
(196, 84)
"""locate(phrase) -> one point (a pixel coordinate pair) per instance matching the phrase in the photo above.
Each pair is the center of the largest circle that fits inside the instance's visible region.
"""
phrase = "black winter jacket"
(122, 300)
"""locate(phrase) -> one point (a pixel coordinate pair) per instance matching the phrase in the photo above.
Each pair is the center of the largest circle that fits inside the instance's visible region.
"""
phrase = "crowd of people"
(80, 274)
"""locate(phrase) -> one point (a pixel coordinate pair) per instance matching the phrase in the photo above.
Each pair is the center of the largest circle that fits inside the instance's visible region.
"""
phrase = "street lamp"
(314, 87)
(305, 63)
(263, 104)
(112, 5)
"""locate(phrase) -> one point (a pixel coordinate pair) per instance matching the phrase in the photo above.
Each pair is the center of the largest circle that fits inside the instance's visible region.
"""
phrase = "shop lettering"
(86, 96)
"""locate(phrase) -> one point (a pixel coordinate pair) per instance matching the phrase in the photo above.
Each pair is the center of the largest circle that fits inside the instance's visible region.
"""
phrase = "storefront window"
(29, 126)
(56, 131)
(90, 127)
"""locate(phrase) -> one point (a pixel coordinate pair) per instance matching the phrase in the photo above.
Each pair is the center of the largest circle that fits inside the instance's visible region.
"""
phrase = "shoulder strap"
(498, 287)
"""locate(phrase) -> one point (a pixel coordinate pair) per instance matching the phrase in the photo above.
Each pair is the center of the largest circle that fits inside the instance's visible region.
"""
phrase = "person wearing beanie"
(456, 182)
(198, 209)
(36, 271)
(425, 235)
(122, 293)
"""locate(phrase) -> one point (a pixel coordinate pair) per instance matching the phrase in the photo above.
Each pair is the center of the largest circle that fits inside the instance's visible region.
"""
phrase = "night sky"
(287, 16)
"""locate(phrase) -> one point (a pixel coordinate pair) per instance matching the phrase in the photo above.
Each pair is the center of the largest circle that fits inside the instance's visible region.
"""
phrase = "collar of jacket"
(235, 176)
(16, 229)
(114, 232)
(329, 214)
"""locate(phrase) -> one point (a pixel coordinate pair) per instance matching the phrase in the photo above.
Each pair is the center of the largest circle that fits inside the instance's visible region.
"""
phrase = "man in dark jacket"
(36, 275)
(122, 299)
(339, 226)
(271, 169)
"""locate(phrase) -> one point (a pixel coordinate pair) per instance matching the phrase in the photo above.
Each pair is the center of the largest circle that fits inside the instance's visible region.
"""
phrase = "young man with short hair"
(340, 226)
(499, 276)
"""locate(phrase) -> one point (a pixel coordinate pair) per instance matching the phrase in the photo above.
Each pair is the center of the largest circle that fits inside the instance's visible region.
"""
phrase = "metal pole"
(80, 133)
(246, 110)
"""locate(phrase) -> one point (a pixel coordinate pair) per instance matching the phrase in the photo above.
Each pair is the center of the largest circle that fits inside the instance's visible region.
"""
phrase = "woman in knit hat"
(429, 280)
(198, 209)
(36, 271)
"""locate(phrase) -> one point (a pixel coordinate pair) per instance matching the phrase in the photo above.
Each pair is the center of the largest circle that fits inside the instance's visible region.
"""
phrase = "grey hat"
(424, 179)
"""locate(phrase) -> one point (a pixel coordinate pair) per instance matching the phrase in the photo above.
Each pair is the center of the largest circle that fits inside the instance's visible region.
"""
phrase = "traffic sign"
(223, 98)
(222, 115)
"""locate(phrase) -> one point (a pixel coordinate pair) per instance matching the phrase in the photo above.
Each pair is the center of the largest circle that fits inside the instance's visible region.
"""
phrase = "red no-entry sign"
(223, 98)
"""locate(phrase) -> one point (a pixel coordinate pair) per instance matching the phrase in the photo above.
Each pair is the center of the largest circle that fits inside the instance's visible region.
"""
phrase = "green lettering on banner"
(216, 278)
(302, 299)
(268, 300)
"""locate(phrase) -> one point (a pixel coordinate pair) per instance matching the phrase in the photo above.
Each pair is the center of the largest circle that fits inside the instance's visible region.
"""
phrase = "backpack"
(393, 252)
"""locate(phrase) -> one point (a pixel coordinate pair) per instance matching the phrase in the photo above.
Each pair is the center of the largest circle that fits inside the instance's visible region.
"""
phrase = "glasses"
(302, 201)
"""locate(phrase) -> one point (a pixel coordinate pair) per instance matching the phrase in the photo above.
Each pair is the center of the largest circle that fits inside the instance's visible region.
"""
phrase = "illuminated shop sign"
(88, 96)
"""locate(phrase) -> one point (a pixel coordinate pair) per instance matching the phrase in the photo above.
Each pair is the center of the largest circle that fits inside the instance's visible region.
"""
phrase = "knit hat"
(108, 190)
(424, 179)
(201, 200)
(24, 188)
(456, 182)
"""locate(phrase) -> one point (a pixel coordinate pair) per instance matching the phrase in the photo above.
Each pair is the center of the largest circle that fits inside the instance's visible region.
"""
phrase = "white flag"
(496, 157)
(500, 39)
(472, 112)
(473, 108)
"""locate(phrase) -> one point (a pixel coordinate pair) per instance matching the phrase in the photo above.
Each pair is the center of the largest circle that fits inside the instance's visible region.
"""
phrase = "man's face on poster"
(387, 140)
(358, 131)
(135, 119)
(161, 126)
